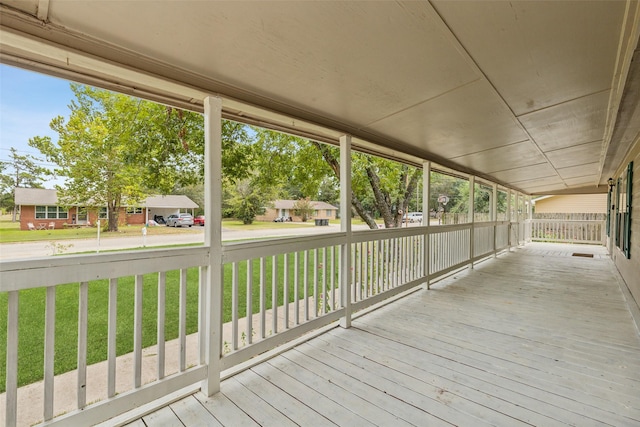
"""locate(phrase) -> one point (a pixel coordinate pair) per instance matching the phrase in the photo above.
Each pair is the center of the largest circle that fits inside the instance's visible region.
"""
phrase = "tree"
(303, 208)
(390, 184)
(115, 149)
(380, 186)
(96, 150)
(19, 171)
(248, 201)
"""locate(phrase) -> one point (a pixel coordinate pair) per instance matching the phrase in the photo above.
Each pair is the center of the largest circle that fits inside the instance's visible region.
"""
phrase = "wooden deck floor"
(535, 337)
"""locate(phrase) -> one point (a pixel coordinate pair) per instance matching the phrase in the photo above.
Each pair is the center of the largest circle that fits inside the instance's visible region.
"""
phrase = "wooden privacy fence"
(568, 231)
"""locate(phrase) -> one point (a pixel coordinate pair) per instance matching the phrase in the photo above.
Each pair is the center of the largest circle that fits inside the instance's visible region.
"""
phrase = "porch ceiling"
(540, 96)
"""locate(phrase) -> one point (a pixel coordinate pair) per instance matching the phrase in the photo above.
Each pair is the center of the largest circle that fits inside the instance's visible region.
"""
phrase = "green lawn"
(32, 308)
(10, 231)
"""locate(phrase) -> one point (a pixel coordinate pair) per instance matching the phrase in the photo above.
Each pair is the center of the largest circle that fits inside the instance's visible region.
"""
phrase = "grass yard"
(32, 308)
(10, 231)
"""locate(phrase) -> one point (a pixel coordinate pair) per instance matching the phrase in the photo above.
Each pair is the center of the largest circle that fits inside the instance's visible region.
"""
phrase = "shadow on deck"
(534, 337)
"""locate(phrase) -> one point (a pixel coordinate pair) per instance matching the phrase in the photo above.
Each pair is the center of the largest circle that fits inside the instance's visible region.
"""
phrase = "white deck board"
(534, 337)
(191, 412)
(164, 417)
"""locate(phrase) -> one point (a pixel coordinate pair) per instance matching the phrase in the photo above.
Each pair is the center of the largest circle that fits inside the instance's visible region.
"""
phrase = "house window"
(102, 213)
(132, 211)
(329, 213)
(623, 212)
(51, 212)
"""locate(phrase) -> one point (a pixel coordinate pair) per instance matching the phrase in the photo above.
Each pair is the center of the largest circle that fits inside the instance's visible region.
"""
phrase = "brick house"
(284, 208)
(40, 207)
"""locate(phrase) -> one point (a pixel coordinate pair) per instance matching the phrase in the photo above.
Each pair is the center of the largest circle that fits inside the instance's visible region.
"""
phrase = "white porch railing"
(568, 231)
(275, 291)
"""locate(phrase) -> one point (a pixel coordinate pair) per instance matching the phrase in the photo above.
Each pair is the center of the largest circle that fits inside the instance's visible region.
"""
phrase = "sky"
(28, 103)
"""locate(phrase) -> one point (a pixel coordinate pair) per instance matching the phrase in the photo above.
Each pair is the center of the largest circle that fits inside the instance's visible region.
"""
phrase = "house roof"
(35, 196)
(41, 196)
(170, 201)
(288, 204)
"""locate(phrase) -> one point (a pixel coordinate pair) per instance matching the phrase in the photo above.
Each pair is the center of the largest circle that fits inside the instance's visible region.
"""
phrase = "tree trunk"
(355, 202)
(113, 209)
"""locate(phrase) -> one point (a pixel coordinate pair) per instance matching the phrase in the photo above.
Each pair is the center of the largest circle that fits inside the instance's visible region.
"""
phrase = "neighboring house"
(572, 203)
(284, 208)
(40, 207)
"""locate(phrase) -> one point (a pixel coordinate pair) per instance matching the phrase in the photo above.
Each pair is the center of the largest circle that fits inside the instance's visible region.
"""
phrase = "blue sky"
(28, 102)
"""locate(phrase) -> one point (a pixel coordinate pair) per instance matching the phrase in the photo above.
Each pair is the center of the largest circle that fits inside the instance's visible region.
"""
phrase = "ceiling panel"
(503, 158)
(578, 171)
(571, 123)
(467, 120)
(518, 175)
(583, 181)
(355, 61)
(556, 182)
(539, 53)
(584, 154)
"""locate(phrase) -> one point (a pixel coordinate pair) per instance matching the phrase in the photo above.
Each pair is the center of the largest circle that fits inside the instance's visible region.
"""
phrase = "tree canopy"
(114, 150)
(22, 170)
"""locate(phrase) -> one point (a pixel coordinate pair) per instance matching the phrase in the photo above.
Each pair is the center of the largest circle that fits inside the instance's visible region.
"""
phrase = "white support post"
(472, 190)
(530, 219)
(345, 227)
(213, 240)
(494, 215)
(426, 218)
(509, 219)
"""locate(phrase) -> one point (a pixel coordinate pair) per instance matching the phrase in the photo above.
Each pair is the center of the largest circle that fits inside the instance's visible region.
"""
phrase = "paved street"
(44, 248)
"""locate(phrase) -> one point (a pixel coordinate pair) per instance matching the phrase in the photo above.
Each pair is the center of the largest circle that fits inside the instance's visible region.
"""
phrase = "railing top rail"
(44, 272)
(449, 227)
(240, 251)
(387, 233)
(590, 221)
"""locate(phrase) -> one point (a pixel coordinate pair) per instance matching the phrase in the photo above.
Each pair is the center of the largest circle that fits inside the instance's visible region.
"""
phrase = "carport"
(167, 205)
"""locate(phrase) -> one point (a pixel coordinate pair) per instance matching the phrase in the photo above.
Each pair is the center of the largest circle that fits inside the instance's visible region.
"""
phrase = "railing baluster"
(137, 332)
(316, 267)
(376, 261)
(249, 333)
(296, 288)
(274, 294)
(305, 280)
(332, 251)
(162, 292)
(49, 351)
(286, 297)
(325, 297)
(11, 396)
(234, 305)
(111, 338)
(83, 305)
(263, 297)
(358, 266)
(202, 314)
(371, 278)
(183, 319)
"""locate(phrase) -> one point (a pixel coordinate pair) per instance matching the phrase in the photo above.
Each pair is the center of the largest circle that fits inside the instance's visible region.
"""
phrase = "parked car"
(413, 217)
(282, 219)
(199, 220)
(180, 220)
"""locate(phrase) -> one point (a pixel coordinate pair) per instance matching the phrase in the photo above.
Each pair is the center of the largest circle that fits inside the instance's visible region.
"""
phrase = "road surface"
(45, 248)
